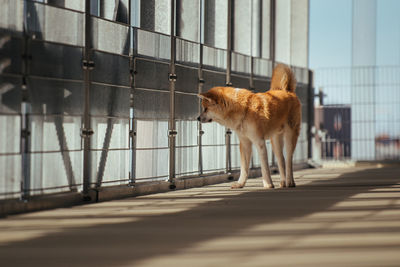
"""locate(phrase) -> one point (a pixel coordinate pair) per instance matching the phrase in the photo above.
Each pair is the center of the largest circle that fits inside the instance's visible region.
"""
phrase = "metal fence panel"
(101, 103)
(360, 115)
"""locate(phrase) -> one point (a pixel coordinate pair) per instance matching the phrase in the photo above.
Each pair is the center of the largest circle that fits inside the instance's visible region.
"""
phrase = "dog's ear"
(205, 97)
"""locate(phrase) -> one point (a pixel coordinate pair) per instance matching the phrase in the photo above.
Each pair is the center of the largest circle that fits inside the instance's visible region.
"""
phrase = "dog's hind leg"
(277, 147)
(245, 156)
(290, 136)
(262, 152)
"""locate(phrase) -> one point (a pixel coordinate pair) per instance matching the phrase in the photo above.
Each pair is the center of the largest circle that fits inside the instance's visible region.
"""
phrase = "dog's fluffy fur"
(275, 115)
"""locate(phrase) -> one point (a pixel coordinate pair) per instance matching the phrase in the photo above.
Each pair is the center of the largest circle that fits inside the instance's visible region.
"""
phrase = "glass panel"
(110, 167)
(55, 133)
(109, 101)
(11, 15)
(152, 164)
(283, 31)
(188, 79)
(291, 32)
(111, 69)
(242, 26)
(110, 133)
(156, 15)
(48, 23)
(10, 176)
(187, 107)
(301, 74)
(150, 104)
(55, 97)
(71, 4)
(261, 85)
(10, 126)
(214, 158)
(110, 37)
(214, 134)
(53, 171)
(265, 28)
(188, 18)
(241, 63)
(240, 81)
(151, 134)
(56, 61)
(115, 10)
(214, 58)
(152, 152)
(187, 133)
(187, 52)
(262, 67)
(152, 44)
(149, 75)
(216, 23)
(10, 54)
(187, 161)
(10, 94)
(212, 79)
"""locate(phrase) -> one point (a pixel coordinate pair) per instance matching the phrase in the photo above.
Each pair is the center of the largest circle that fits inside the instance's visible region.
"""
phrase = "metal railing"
(103, 103)
(359, 118)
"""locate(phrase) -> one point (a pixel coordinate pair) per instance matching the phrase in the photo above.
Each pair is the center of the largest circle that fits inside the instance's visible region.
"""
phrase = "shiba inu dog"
(255, 117)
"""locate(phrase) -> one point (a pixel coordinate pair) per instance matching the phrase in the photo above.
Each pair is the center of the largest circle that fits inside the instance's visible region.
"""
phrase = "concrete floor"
(334, 217)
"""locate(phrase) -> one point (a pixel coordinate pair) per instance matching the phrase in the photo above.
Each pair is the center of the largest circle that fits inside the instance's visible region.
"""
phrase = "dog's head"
(213, 105)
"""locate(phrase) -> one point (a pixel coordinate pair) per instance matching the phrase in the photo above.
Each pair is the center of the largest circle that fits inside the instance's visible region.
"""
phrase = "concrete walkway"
(334, 217)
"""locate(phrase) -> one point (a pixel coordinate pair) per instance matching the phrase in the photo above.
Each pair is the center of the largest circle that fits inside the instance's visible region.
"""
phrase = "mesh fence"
(101, 102)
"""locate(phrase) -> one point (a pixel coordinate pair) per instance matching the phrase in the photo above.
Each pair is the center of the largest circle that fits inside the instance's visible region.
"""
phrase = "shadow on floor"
(127, 243)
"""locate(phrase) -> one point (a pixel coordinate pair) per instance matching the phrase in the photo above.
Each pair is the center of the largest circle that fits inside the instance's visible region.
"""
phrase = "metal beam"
(172, 78)
(86, 133)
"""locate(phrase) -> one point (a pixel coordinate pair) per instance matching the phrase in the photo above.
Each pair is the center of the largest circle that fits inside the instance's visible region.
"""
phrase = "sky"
(331, 31)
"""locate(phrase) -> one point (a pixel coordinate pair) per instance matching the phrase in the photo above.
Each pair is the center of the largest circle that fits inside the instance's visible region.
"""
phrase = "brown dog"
(275, 115)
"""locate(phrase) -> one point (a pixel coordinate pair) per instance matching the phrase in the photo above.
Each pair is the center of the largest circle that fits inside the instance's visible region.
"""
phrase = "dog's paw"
(291, 184)
(283, 184)
(269, 186)
(237, 185)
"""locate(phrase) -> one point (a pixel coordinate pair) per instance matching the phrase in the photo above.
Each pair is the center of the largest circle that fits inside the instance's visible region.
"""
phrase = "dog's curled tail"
(283, 79)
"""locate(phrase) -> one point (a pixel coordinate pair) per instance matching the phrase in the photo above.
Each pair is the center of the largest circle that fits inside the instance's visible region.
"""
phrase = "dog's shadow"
(152, 236)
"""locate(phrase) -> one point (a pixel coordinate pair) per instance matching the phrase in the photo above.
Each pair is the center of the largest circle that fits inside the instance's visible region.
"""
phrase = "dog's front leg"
(245, 156)
(262, 152)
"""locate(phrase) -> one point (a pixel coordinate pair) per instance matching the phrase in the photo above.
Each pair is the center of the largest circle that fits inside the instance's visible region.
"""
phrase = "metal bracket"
(172, 133)
(201, 132)
(132, 133)
(87, 133)
(201, 80)
(172, 77)
(25, 133)
(228, 132)
(229, 84)
(87, 65)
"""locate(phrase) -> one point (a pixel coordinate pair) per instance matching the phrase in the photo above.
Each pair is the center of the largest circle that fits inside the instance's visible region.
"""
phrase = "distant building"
(333, 130)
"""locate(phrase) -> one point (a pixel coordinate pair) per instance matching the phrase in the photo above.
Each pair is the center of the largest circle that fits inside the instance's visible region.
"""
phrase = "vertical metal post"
(272, 26)
(132, 135)
(310, 113)
(25, 111)
(172, 78)
(228, 132)
(25, 144)
(229, 45)
(201, 84)
(86, 131)
(132, 52)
